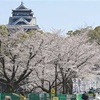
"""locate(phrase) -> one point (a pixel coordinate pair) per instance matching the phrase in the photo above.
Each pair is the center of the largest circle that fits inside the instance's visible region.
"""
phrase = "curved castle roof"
(22, 8)
(23, 16)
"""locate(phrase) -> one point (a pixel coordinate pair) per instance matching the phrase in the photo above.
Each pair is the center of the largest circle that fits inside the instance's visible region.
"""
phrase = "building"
(22, 17)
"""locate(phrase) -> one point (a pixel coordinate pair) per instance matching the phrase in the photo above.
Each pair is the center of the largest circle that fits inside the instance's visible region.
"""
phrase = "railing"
(40, 96)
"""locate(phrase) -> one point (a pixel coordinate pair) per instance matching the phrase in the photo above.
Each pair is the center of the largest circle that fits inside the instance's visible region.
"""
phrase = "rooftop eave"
(22, 10)
(21, 6)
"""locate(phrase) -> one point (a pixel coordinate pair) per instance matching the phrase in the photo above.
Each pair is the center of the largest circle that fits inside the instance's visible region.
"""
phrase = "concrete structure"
(22, 17)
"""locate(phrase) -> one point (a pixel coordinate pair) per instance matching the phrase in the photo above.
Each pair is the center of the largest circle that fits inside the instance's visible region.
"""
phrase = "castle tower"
(22, 17)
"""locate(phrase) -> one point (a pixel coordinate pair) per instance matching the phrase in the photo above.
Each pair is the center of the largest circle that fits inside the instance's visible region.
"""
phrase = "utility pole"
(0, 52)
(63, 79)
(1, 59)
(55, 78)
(42, 77)
(0, 47)
(56, 63)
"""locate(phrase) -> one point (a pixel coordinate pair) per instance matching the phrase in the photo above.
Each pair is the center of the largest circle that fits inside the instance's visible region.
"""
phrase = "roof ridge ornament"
(22, 3)
(21, 6)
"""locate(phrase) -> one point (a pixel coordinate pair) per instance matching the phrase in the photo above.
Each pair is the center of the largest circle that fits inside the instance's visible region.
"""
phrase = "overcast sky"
(57, 14)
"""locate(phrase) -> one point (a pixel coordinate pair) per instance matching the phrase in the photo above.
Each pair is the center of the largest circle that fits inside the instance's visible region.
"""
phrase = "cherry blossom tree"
(38, 61)
(76, 53)
(15, 61)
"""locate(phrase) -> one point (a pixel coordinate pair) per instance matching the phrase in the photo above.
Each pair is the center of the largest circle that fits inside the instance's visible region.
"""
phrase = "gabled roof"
(21, 20)
(21, 7)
